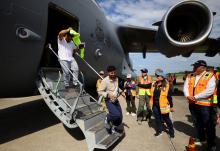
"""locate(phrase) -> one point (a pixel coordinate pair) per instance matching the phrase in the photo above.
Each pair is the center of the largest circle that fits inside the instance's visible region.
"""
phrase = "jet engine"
(185, 26)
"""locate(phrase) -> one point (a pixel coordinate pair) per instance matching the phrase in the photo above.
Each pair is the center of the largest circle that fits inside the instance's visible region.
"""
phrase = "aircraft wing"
(137, 39)
(211, 47)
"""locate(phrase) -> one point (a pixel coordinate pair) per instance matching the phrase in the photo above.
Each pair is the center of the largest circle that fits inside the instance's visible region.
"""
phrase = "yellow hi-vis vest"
(215, 98)
(163, 101)
(77, 42)
(143, 91)
(200, 87)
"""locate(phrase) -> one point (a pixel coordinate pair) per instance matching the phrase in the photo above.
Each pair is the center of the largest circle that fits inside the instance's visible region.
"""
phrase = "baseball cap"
(144, 70)
(200, 63)
(128, 76)
(160, 73)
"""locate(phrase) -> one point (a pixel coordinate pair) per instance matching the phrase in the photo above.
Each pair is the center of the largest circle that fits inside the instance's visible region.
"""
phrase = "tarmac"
(27, 124)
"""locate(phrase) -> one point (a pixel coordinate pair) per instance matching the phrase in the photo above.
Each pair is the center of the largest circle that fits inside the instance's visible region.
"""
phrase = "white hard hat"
(128, 76)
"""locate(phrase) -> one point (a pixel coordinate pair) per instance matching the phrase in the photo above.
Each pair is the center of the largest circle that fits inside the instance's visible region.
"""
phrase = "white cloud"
(146, 12)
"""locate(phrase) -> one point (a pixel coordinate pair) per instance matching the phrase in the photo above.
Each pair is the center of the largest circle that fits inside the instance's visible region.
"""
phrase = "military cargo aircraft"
(28, 26)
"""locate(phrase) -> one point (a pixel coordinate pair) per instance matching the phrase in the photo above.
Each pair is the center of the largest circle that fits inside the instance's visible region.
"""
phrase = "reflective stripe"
(163, 101)
(204, 102)
(143, 91)
(165, 110)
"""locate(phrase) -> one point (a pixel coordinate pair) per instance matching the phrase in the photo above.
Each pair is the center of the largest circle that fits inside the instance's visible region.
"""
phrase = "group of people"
(154, 97)
(201, 89)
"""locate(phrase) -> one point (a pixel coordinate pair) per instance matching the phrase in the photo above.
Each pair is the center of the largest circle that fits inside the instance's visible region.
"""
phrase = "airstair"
(75, 108)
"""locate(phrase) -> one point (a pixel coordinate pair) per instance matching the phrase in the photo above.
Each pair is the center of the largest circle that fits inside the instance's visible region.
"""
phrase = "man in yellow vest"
(199, 88)
(144, 92)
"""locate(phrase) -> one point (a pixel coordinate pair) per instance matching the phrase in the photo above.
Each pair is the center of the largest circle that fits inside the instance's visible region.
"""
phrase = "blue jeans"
(72, 66)
(159, 117)
(206, 124)
(115, 113)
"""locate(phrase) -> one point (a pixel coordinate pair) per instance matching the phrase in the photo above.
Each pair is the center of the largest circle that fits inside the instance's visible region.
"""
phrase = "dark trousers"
(205, 116)
(158, 119)
(141, 113)
(130, 100)
(192, 109)
(115, 113)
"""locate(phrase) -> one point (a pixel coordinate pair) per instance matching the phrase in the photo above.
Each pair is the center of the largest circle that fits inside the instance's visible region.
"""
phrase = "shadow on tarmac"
(24, 119)
(184, 128)
(75, 133)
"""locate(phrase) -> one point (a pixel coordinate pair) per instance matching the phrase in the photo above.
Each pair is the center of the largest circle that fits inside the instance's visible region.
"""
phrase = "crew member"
(161, 102)
(199, 88)
(144, 94)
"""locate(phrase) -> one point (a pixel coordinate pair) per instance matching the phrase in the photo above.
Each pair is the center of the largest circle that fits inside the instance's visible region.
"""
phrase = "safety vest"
(77, 42)
(200, 87)
(143, 91)
(215, 98)
(163, 101)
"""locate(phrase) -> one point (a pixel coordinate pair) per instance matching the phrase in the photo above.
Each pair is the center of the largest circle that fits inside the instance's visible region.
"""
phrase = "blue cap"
(159, 72)
(144, 70)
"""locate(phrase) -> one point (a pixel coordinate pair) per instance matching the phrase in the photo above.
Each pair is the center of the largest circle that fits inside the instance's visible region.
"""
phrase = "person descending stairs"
(74, 107)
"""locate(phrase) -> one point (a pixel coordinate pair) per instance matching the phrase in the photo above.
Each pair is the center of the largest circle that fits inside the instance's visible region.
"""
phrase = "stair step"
(87, 110)
(89, 116)
(98, 131)
(109, 140)
(99, 126)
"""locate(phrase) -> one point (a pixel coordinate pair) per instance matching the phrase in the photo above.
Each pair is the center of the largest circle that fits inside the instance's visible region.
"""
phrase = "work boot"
(157, 134)
(172, 135)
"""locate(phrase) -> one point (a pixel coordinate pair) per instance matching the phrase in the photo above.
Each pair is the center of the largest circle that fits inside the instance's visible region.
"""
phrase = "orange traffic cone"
(191, 146)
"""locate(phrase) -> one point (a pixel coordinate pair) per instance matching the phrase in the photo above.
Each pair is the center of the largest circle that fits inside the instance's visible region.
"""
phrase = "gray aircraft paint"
(20, 58)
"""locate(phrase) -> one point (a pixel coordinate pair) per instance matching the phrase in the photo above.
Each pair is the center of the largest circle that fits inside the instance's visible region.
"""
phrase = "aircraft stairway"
(75, 108)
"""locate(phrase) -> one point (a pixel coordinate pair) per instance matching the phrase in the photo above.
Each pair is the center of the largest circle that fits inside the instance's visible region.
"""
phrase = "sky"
(144, 13)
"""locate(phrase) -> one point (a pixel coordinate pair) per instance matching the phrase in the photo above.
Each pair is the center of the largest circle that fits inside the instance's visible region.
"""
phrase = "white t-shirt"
(65, 49)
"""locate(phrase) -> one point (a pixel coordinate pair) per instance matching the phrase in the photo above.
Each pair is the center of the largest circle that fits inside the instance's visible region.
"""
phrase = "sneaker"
(139, 122)
(133, 114)
(157, 134)
(127, 113)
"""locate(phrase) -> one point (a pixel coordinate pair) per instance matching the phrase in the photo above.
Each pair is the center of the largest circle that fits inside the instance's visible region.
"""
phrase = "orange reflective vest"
(200, 87)
(163, 101)
(143, 91)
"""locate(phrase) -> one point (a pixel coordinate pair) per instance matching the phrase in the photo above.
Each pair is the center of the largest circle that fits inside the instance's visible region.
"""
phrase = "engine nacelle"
(184, 26)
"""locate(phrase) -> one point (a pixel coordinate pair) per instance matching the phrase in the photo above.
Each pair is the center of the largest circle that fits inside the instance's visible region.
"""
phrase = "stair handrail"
(89, 66)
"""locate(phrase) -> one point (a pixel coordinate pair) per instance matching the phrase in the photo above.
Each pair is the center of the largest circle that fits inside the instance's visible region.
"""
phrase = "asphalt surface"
(27, 124)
